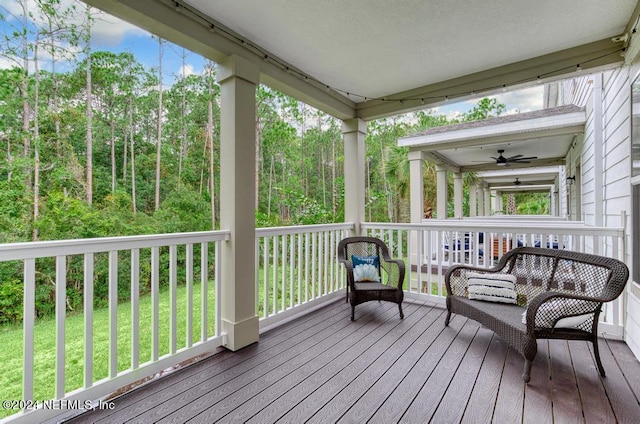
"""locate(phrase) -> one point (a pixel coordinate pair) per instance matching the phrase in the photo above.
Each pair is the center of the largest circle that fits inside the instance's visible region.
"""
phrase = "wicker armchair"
(390, 273)
(560, 293)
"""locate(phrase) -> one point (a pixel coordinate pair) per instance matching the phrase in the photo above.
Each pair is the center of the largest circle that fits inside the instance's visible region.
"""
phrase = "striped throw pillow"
(492, 287)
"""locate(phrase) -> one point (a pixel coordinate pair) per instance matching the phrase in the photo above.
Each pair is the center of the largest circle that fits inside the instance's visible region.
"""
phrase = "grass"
(11, 340)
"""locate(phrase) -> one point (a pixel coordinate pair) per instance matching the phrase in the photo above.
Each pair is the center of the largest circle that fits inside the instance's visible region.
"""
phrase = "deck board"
(323, 367)
(596, 407)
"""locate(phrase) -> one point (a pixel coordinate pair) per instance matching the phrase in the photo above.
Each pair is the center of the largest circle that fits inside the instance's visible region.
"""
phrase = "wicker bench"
(559, 295)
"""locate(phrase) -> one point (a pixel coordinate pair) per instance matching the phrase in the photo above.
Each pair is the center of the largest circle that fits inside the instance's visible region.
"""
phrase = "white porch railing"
(434, 245)
(120, 364)
(297, 269)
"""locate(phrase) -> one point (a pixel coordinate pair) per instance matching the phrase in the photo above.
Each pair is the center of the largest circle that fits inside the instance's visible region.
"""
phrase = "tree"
(486, 108)
(159, 124)
(89, 151)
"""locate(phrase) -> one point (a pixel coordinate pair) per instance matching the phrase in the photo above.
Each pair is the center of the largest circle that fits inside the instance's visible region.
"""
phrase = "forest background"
(96, 144)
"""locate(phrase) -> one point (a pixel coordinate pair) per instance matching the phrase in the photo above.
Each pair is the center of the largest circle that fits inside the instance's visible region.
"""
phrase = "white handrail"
(44, 249)
(154, 361)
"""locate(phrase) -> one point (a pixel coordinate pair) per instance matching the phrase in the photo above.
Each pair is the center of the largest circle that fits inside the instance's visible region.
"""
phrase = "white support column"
(497, 201)
(473, 202)
(416, 186)
(481, 210)
(553, 201)
(416, 194)
(441, 189)
(487, 201)
(238, 79)
(353, 133)
(457, 195)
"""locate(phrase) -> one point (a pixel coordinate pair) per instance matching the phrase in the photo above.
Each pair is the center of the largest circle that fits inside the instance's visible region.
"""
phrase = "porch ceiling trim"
(599, 55)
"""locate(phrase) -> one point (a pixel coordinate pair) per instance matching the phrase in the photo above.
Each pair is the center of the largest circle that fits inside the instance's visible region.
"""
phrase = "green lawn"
(11, 344)
(11, 338)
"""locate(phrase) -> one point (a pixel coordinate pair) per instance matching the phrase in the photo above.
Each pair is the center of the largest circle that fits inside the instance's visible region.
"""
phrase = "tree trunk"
(303, 129)
(183, 129)
(133, 162)
(24, 91)
(270, 185)
(159, 139)
(54, 81)
(324, 182)
(9, 159)
(89, 113)
(333, 176)
(124, 159)
(256, 170)
(113, 155)
(36, 138)
(212, 177)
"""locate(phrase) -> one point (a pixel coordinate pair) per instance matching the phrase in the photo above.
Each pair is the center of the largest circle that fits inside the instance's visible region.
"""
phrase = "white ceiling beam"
(598, 55)
(185, 28)
(438, 159)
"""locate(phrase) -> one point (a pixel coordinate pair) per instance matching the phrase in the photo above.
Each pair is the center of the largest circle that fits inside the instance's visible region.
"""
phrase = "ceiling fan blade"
(521, 159)
(493, 158)
(514, 157)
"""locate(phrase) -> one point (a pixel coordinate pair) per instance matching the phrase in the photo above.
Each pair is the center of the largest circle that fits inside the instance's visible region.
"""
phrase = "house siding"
(616, 170)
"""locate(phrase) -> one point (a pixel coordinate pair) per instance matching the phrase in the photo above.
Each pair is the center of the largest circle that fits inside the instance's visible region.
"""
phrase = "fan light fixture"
(507, 161)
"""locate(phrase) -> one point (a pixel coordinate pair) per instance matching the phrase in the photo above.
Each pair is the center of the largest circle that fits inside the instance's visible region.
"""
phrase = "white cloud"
(109, 31)
(525, 100)
(6, 63)
(186, 70)
(106, 30)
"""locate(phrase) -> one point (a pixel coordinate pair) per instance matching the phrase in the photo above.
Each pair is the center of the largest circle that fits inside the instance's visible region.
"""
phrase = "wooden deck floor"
(323, 368)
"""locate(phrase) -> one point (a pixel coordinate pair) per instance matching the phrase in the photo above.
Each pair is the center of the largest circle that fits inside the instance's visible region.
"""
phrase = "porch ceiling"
(372, 58)
(530, 179)
(546, 134)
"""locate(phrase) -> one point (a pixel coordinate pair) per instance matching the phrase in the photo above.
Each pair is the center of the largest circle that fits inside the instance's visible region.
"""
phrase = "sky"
(112, 34)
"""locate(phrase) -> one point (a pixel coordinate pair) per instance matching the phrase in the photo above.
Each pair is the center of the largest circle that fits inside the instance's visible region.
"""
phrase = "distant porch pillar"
(487, 201)
(238, 79)
(497, 203)
(416, 200)
(553, 201)
(441, 189)
(353, 133)
(481, 210)
(473, 202)
(458, 193)
(416, 186)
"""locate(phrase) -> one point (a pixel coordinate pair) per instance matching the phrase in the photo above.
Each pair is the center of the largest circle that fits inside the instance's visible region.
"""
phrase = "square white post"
(353, 133)
(458, 193)
(487, 201)
(416, 200)
(473, 202)
(441, 188)
(238, 79)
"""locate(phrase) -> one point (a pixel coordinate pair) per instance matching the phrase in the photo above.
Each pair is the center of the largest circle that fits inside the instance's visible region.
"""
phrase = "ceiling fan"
(503, 161)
